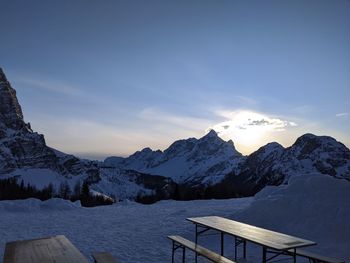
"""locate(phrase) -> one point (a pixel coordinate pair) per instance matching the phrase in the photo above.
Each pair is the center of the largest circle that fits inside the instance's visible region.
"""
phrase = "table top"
(251, 233)
(56, 249)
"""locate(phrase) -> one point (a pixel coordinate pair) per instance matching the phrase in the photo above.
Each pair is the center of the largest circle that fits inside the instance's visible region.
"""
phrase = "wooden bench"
(180, 242)
(315, 258)
(103, 257)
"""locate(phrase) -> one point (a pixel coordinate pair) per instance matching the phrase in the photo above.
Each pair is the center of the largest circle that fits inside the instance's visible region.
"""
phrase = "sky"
(102, 78)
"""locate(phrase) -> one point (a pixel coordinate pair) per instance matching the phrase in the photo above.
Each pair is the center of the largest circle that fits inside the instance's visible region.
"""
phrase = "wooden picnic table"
(272, 242)
(57, 249)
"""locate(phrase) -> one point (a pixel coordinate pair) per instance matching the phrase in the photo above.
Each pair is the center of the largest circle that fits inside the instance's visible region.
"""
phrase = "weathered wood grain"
(56, 249)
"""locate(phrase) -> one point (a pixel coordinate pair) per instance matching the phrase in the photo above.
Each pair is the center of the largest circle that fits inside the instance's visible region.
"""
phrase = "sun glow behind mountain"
(249, 129)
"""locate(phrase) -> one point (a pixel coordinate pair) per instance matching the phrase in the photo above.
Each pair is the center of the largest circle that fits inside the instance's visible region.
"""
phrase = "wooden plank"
(56, 249)
(103, 257)
(251, 233)
(200, 250)
(312, 255)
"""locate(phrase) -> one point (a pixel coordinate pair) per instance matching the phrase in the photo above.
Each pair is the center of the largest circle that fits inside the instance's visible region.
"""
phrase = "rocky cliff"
(24, 154)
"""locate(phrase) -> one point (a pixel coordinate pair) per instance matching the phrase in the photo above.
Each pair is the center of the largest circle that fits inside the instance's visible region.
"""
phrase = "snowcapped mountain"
(212, 168)
(197, 161)
(317, 154)
(208, 167)
(273, 164)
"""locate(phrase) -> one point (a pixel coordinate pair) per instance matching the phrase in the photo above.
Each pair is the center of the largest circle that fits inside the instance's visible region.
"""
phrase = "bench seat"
(313, 257)
(103, 257)
(212, 256)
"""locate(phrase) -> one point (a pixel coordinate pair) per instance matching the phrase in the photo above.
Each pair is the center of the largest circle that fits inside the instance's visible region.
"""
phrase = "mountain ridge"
(208, 167)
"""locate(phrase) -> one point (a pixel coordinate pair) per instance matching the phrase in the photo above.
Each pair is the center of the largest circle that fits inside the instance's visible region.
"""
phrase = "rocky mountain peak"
(231, 143)
(272, 146)
(311, 144)
(212, 145)
(2, 76)
(210, 139)
(11, 115)
(211, 135)
(265, 156)
(305, 138)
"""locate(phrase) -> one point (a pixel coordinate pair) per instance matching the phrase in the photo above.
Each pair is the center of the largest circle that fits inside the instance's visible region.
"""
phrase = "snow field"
(130, 231)
(312, 207)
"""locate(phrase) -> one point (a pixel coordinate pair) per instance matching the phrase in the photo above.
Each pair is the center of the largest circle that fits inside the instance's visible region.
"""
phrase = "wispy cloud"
(151, 127)
(342, 114)
(50, 85)
(158, 117)
(304, 109)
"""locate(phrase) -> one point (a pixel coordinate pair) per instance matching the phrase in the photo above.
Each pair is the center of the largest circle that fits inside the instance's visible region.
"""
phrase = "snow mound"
(35, 205)
(314, 207)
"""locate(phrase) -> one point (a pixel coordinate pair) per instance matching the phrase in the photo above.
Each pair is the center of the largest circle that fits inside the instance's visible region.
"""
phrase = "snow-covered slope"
(202, 161)
(130, 184)
(312, 207)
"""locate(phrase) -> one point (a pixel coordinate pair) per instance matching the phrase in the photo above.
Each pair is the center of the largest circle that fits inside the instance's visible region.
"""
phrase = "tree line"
(11, 189)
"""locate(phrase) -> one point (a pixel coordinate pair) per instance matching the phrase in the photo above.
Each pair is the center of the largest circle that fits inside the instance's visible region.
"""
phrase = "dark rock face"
(258, 170)
(319, 153)
(11, 115)
(273, 165)
(20, 147)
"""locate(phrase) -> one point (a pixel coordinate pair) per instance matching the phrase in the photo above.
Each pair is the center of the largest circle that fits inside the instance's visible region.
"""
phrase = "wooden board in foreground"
(56, 249)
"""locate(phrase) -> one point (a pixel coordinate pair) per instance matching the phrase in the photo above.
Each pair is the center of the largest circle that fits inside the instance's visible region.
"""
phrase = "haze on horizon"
(112, 77)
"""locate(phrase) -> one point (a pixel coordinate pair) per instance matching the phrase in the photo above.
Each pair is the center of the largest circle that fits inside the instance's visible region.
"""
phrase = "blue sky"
(102, 78)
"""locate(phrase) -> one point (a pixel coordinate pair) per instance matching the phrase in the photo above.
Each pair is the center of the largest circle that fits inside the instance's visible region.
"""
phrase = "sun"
(240, 129)
(249, 129)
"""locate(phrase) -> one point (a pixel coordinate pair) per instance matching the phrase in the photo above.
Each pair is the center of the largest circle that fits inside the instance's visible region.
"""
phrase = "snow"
(35, 205)
(175, 168)
(312, 206)
(115, 182)
(185, 160)
(41, 178)
(315, 207)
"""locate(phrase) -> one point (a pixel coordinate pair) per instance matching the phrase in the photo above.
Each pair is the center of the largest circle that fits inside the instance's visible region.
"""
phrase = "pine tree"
(64, 190)
(76, 191)
(85, 190)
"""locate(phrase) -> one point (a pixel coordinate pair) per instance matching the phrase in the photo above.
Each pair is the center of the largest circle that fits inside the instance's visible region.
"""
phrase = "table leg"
(172, 254)
(183, 255)
(196, 233)
(222, 243)
(295, 255)
(196, 255)
(235, 248)
(264, 255)
(244, 249)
